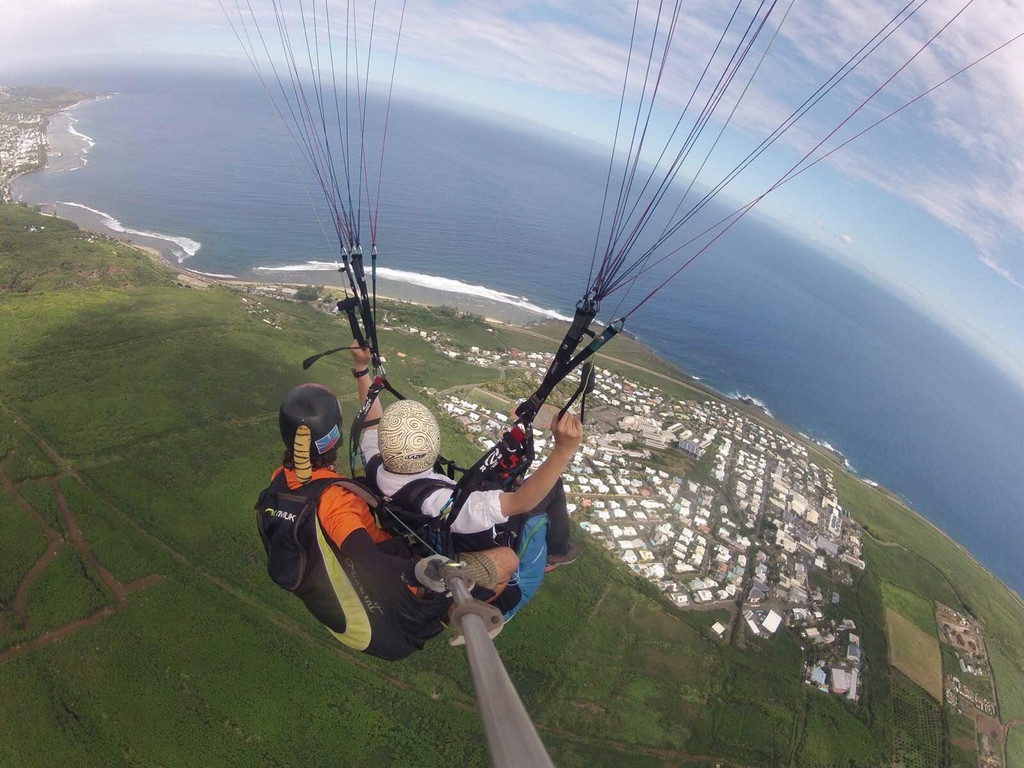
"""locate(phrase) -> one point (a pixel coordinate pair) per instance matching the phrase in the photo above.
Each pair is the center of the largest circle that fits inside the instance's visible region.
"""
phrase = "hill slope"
(137, 424)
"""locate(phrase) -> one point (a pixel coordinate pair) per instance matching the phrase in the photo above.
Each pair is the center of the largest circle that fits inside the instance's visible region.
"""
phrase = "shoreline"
(160, 247)
(745, 402)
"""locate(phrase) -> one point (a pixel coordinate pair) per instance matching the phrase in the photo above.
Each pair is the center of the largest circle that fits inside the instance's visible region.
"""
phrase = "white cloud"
(999, 269)
(846, 239)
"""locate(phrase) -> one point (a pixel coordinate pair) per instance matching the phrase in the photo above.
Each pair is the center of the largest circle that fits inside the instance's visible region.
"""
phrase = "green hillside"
(138, 627)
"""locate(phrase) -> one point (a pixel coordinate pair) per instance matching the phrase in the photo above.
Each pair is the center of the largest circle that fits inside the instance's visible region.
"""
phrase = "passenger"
(364, 585)
(401, 445)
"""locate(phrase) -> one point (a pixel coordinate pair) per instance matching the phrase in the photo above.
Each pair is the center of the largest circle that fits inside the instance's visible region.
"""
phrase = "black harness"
(359, 590)
(402, 515)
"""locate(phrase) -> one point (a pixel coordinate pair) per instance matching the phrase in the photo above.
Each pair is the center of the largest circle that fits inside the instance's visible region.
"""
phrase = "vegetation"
(1009, 684)
(917, 548)
(914, 653)
(918, 610)
(24, 459)
(951, 666)
(1015, 747)
(920, 733)
(72, 258)
(166, 432)
(962, 740)
(309, 293)
(37, 100)
(20, 545)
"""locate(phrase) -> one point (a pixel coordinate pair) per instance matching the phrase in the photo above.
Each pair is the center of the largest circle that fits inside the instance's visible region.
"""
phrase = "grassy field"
(75, 258)
(914, 607)
(1015, 747)
(962, 740)
(1009, 685)
(167, 431)
(20, 545)
(914, 652)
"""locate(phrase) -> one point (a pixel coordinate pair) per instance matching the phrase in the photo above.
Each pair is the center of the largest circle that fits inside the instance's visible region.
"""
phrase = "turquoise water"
(514, 211)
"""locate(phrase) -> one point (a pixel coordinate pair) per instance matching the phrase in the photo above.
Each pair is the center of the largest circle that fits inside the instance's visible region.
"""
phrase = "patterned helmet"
(408, 438)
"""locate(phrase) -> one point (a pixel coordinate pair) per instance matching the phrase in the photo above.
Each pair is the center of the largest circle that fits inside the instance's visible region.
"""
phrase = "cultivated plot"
(914, 652)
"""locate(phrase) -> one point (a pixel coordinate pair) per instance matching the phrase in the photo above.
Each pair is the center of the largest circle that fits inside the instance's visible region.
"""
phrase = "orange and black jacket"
(324, 545)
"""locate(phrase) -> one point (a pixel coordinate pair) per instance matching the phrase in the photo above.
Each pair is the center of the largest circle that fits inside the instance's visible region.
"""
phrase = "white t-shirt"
(481, 512)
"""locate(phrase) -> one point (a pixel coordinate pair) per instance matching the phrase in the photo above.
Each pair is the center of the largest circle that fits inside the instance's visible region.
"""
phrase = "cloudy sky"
(931, 203)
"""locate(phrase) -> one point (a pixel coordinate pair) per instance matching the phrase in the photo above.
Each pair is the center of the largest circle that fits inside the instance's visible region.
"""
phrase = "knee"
(506, 560)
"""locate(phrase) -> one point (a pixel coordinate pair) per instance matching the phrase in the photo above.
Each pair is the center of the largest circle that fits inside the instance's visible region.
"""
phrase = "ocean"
(487, 214)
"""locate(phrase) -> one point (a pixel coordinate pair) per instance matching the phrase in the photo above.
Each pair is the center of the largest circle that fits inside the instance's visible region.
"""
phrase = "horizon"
(957, 231)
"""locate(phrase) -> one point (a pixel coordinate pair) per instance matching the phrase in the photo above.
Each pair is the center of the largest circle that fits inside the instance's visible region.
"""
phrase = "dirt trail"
(55, 540)
(53, 543)
(40, 565)
(78, 540)
(57, 634)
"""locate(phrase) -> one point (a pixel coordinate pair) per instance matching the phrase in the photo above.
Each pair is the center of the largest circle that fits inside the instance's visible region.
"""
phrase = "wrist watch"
(360, 374)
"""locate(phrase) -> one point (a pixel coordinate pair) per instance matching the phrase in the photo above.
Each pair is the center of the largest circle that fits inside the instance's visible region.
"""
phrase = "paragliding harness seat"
(401, 516)
(360, 591)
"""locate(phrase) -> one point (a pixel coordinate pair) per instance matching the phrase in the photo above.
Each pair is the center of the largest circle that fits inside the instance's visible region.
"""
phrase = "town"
(24, 118)
(714, 507)
(22, 145)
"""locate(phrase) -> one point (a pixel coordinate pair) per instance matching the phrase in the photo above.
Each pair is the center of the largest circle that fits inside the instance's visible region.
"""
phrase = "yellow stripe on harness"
(357, 624)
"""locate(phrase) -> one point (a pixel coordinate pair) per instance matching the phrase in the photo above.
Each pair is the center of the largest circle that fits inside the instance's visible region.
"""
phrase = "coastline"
(749, 405)
(66, 150)
(170, 251)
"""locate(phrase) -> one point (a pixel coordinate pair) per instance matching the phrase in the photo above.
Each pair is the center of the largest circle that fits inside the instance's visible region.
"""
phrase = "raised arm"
(568, 434)
(361, 362)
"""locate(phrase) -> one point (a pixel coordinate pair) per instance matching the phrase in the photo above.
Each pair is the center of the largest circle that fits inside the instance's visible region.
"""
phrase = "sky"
(929, 204)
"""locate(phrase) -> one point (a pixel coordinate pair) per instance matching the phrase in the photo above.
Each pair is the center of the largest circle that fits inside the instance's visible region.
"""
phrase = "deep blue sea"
(514, 209)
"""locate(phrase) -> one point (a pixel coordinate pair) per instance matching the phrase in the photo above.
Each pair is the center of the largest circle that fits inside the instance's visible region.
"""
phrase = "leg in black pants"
(558, 519)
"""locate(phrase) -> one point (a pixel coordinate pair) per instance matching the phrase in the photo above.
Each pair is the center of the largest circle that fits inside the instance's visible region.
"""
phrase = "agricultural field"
(920, 740)
(1009, 684)
(962, 739)
(918, 556)
(914, 653)
(1015, 747)
(913, 607)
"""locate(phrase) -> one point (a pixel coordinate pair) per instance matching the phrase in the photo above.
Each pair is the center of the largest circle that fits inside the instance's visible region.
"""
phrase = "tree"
(309, 292)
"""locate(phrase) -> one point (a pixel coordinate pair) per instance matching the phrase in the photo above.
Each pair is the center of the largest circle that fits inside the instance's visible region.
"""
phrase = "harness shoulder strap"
(413, 494)
(360, 489)
(372, 467)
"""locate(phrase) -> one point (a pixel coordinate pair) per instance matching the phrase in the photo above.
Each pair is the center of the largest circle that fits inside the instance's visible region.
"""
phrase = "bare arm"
(361, 360)
(568, 433)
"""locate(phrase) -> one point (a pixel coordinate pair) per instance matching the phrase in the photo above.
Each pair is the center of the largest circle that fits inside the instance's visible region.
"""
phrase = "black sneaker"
(557, 561)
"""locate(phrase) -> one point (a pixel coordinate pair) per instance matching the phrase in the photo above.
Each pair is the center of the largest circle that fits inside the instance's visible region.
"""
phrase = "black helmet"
(315, 406)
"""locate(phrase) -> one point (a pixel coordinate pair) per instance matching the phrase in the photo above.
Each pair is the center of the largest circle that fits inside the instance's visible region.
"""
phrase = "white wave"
(751, 399)
(89, 142)
(213, 274)
(446, 284)
(188, 246)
